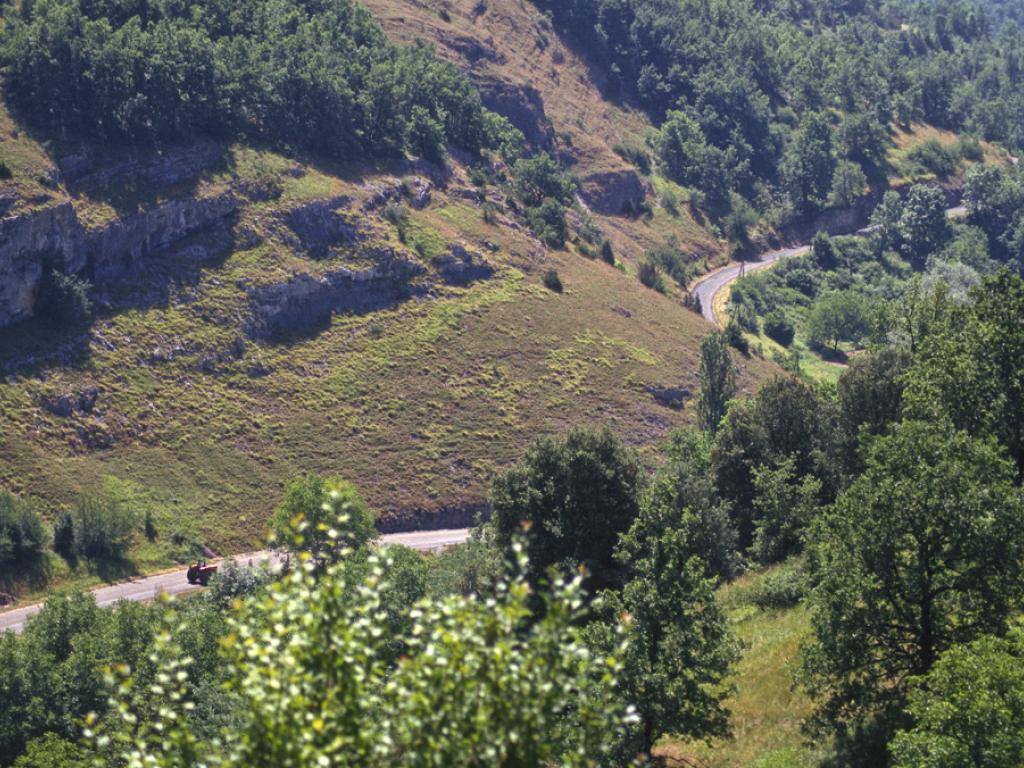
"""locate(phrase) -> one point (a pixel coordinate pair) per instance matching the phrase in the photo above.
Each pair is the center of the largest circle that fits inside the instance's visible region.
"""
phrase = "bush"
(103, 528)
(734, 335)
(634, 156)
(552, 281)
(779, 327)
(669, 260)
(22, 534)
(970, 149)
(746, 316)
(548, 223)
(939, 159)
(780, 589)
(650, 276)
(63, 298)
(607, 254)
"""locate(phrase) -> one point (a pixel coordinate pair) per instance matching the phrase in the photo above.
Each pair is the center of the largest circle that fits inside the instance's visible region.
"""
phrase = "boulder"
(462, 267)
(523, 106)
(613, 192)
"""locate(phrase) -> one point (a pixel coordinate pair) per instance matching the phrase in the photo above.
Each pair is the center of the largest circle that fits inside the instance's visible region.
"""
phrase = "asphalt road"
(175, 583)
(708, 287)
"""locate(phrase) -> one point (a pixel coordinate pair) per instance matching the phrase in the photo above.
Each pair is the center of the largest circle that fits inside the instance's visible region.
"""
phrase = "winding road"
(175, 583)
(708, 287)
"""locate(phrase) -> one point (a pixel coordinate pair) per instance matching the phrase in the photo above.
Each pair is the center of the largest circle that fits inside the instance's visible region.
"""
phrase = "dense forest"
(315, 75)
(746, 93)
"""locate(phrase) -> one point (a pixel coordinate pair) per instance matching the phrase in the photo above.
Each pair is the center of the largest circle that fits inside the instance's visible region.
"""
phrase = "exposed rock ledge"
(308, 299)
(613, 192)
(56, 236)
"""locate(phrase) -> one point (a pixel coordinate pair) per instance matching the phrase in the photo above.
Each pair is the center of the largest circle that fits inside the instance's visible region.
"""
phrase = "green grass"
(419, 403)
(766, 709)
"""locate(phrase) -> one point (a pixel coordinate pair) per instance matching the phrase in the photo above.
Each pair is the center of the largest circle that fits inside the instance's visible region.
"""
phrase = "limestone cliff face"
(308, 299)
(612, 192)
(124, 243)
(54, 237)
(25, 241)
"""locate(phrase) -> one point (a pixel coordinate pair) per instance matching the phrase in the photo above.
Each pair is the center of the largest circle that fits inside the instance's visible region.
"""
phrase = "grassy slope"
(767, 710)
(586, 125)
(419, 403)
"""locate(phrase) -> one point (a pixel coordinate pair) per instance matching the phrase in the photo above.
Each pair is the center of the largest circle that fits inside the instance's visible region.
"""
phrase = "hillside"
(258, 317)
(277, 293)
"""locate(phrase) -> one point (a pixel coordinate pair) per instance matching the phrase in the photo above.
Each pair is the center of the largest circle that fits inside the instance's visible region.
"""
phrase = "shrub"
(489, 211)
(734, 335)
(780, 589)
(745, 315)
(939, 159)
(650, 276)
(552, 281)
(103, 528)
(970, 149)
(22, 533)
(63, 298)
(670, 261)
(634, 156)
(779, 327)
(607, 254)
(548, 222)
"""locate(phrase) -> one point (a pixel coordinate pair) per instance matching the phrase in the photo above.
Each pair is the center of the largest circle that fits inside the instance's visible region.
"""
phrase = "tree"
(678, 648)
(570, 498)
(810, 163)
(886, 221)
(785, 506)
(481, 682)
(682, 496)
(923, 225)
(824, 250)
(547, 221)
(717, 381)
(848, 185)
(22, 534)
(538, 179)
(922, 551)
(785, 420)
(969, 368)
(870, 401)
(968, 711)
(51, 751)
(307, 518)
(864, 139)
(837, 317)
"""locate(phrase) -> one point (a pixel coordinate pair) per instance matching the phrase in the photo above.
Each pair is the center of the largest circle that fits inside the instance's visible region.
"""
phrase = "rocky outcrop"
(126, 241)
(523, 106)
(52, 233)
(310, 299)
(318, 225)
(54, 237)
(462, 267)
(613, 192)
